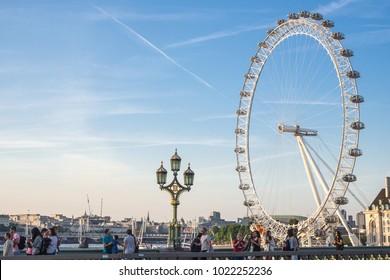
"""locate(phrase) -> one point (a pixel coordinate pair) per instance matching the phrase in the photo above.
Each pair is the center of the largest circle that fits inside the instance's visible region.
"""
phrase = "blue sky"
(95, 93)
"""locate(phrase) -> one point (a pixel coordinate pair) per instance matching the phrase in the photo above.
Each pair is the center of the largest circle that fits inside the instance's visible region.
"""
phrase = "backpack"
(45, 244)
(195, 245)
(22, 242)
(286, 245)
(136, 243)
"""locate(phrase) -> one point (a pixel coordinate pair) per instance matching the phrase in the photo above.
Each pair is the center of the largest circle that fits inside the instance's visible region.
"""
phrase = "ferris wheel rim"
(290, 28)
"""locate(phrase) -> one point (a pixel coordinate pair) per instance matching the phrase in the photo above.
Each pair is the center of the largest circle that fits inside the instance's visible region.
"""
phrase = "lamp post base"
(174, 237)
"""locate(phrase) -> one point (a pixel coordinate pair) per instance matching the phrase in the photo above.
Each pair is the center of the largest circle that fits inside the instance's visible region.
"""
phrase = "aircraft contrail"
(156, 49)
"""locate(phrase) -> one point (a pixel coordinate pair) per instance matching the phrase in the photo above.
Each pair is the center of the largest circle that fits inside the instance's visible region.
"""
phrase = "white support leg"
(352, 236)
(313, 165)
(309, 173)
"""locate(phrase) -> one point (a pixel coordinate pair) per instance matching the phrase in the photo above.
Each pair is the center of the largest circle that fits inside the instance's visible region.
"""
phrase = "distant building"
(351, 223)
(215, 216)
(377, 218)
(58, 217)
(214, 220)
(4, 220)
(127, 222)
(361, 221)
(35, 220)
(162, 228)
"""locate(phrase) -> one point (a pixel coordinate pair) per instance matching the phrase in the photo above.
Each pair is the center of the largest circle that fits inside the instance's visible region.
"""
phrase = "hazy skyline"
(94, 94)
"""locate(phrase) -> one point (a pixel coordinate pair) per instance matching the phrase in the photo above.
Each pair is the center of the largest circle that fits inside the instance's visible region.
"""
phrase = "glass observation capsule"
(304, 14)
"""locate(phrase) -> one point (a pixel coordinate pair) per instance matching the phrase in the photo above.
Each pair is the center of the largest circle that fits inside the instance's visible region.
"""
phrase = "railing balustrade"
(360, 253)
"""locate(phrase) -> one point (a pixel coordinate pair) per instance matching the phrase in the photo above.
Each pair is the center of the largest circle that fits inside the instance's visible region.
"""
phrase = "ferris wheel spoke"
(325, 112)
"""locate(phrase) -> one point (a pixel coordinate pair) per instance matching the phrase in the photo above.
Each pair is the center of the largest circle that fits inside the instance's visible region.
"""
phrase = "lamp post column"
(175, 189)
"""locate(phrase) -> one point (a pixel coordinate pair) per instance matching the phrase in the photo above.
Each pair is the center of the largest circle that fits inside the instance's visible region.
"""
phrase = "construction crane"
(101, 208)
(89, 206)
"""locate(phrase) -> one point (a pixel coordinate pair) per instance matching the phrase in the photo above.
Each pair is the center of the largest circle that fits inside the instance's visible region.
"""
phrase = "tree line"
(226, 234)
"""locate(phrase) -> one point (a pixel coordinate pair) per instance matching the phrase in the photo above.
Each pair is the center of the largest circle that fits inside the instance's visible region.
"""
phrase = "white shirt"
(205, 242)
(129, 244)
(7, 250)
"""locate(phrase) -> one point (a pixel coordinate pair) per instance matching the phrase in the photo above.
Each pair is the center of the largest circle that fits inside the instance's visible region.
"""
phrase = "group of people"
(46, 242)
(254, 243)
(111, 243)
(203, 242)
(41, 242)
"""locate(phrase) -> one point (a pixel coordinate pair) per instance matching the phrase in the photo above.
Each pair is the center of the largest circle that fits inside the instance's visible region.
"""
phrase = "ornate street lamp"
(161, 175)
(175, 189)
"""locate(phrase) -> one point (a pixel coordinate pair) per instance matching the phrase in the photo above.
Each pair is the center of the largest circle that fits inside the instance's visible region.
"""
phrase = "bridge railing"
(364, 253)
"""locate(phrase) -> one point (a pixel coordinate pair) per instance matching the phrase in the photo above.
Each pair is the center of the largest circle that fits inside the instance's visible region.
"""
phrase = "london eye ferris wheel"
(298, 124)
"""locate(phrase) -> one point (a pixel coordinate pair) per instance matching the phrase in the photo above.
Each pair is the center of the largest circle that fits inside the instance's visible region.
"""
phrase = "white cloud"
(218, 35)
(151, 45)
(221, 117)
(374, 37)
(334, 6)
(133, 111)
(146, 17)
(28, 144)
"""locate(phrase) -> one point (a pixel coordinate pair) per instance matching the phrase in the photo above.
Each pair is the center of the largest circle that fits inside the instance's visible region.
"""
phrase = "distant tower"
(147, 218)
(101, 208)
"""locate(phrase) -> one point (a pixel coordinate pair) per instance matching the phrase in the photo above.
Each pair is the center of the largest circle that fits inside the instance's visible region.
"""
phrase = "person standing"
(52, 248)
(35, 241)
(292, 243)
(338, 242)
(8, 245)
(248, 242)
(15, 239)
(269, 243)
(107, 241)
(238, 246)
(255, 243)
(129, 243)
(45, 241)
(59, 239)
(115, 244)
(196, 245)
(205, 241)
